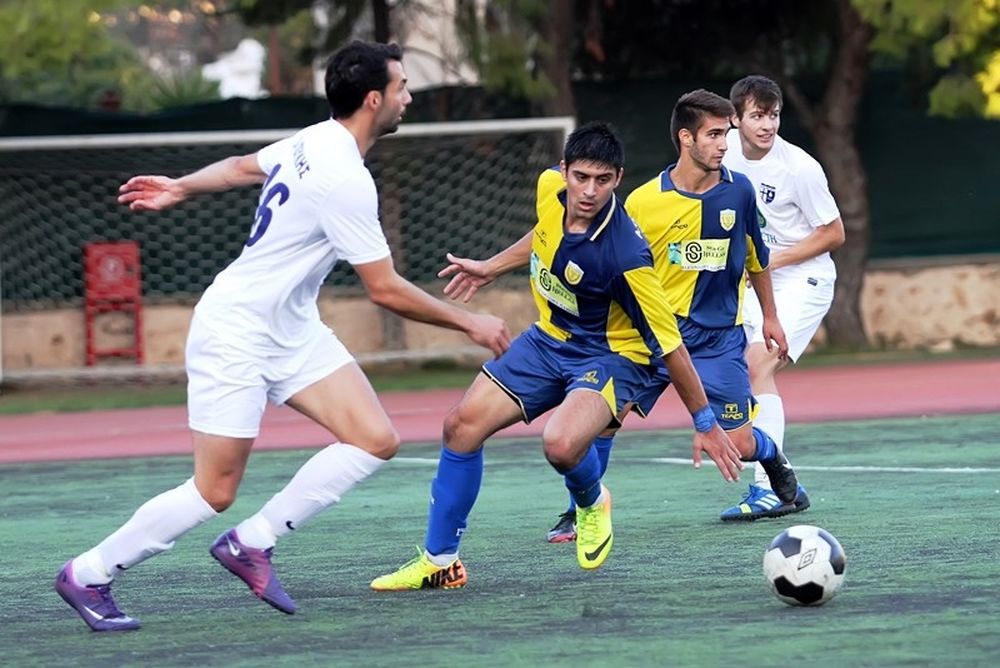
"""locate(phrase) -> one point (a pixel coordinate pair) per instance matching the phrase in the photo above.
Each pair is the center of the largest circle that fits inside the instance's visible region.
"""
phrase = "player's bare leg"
(567, 439)
(484, 410)
(345, 403)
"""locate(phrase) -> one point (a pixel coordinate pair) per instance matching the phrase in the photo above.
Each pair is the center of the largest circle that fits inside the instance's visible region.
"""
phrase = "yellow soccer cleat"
(421, 573)
(593, 532)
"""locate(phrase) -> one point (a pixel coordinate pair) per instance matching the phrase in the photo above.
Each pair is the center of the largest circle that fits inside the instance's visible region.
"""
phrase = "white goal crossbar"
(565, 124)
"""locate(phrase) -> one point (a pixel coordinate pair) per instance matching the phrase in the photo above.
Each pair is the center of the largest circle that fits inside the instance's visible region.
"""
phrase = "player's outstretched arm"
(709, 438)
(467, 275)
(774, 334)
(389, 290)
(156, 193)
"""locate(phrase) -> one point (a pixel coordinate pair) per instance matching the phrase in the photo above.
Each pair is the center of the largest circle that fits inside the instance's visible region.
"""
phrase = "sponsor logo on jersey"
(727, 218)
(551, 289)
(699, 254)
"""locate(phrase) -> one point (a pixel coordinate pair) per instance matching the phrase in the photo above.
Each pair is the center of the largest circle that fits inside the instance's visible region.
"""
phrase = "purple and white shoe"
(94, 603)
(253, 566)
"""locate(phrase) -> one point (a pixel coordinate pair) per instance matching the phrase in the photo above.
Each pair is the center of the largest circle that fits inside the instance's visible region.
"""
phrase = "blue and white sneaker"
(761, 503)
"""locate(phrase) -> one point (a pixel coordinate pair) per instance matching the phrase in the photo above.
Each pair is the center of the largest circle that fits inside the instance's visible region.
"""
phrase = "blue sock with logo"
(584, 480)
(453, 493)
(603, 445)
(766, 449)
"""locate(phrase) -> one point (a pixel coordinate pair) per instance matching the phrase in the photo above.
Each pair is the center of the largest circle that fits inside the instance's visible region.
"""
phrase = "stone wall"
(905, 305)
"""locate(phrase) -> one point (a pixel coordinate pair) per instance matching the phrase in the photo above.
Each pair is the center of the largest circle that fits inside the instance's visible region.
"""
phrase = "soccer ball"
(804, 565)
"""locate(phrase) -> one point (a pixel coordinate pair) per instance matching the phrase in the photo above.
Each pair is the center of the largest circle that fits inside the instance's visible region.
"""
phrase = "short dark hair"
(692, 109)
(765, 92)
(595, 142)
(355, 70)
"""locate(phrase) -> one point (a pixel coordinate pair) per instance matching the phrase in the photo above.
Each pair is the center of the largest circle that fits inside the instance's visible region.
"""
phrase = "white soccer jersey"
(318, 205)
(792, 195)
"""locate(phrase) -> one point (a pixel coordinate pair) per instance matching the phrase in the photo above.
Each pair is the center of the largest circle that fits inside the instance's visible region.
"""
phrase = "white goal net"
(467, 187)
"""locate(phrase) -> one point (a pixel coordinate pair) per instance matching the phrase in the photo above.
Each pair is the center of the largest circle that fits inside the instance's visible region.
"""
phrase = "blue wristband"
(704, 419)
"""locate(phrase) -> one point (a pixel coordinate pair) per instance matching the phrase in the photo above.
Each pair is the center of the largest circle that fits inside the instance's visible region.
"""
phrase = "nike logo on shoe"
(591, 556)
(93, 615)
(446, 577)
(233, 549)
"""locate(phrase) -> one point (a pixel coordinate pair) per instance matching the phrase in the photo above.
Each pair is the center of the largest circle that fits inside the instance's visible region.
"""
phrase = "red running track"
(810, 395)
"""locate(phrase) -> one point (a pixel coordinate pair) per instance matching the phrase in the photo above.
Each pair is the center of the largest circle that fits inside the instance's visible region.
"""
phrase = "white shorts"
(802, 303)
(231, 375)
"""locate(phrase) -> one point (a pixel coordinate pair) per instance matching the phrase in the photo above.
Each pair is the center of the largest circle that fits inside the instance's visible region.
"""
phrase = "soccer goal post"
(465, 187)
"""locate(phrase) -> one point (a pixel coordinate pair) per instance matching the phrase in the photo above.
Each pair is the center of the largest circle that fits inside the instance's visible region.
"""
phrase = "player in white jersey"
(801, 225)
(257, 335)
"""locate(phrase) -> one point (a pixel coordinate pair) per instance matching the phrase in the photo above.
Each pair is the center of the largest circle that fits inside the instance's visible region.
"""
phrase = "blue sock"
(603, 444)
(453, 493)
(766, 449)
(584, 480)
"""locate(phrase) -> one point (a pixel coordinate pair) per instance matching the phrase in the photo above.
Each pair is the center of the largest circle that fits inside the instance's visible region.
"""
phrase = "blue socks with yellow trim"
(453, 493)
(584, 480)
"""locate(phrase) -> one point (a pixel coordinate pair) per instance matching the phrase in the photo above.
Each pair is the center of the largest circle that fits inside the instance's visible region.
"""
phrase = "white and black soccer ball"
(804, 565)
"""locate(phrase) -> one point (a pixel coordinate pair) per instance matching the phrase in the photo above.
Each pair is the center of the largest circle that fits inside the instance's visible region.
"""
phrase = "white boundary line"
(677, 461)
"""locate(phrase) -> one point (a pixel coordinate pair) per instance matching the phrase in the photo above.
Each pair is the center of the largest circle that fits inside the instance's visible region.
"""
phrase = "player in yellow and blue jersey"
(605, 330)
(702, 225)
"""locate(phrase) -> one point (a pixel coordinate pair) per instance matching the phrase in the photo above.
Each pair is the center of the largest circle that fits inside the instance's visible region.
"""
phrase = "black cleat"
(782, 477)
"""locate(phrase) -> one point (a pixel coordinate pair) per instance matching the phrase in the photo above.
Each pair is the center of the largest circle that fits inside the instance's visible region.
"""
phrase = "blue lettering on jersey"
(262, 219)
(301, 164)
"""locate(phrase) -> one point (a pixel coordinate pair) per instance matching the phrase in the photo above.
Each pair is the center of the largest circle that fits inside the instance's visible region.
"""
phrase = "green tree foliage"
(502, 42)
(60, 52)
(309, 39)
(957, 41)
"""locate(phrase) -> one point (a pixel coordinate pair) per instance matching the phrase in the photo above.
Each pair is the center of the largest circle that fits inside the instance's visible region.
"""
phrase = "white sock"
(317, 485)
(770, 420)
(152, 529)
(442, 560)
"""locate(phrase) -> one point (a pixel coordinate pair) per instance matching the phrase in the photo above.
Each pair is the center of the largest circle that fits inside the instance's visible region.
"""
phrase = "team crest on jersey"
(573, 273)
(727, 218)
(766, 193)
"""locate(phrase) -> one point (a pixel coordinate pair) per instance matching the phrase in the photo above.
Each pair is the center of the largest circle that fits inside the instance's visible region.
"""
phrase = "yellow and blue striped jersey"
(598, 288)
(701, 244)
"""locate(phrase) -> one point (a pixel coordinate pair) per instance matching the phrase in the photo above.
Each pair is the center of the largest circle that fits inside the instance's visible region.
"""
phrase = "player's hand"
(151, 193)
(490, 332)
(774, 337)
(720, 449)
(467, 276)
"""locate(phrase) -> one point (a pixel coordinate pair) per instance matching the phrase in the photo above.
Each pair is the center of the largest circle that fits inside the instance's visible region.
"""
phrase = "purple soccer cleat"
(93, 603)
(253, 566)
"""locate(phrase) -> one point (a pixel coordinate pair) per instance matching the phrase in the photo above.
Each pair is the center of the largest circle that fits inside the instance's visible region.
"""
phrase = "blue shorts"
(718, 357)
(538, 372)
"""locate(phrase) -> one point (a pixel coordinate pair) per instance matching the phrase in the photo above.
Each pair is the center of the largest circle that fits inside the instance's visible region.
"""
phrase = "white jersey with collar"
(792, 195)
(318, 205)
